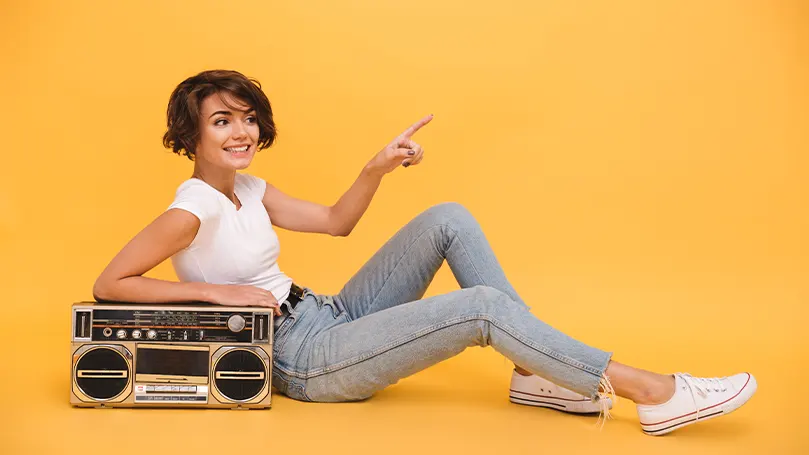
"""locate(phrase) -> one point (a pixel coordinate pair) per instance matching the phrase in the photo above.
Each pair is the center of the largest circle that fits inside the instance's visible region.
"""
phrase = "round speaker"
(240, 375)
(102, 373)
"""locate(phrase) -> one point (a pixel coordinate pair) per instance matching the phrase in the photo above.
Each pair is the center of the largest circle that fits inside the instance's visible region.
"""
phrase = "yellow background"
(640, 168)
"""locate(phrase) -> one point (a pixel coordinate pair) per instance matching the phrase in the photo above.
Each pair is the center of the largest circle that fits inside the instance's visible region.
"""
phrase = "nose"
(239, 130)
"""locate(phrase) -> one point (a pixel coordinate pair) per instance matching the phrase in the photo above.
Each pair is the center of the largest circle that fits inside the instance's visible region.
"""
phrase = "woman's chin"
(240, 162)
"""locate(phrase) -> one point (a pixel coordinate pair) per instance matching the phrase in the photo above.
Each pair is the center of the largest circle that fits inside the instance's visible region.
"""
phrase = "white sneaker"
(534, 390)
(695, 400)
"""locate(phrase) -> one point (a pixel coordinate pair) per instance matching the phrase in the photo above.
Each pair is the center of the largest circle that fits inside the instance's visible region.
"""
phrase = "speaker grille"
(240, 375)
(102, 373)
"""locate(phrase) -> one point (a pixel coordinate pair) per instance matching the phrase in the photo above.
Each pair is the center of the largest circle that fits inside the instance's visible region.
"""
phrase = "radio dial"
(236, 323)
(121, 334)
(136, 334)
(151, 334)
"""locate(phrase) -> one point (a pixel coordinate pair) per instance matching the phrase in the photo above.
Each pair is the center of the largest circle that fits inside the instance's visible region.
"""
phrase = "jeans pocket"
(343, 316)
(281, 334)
(336, 311)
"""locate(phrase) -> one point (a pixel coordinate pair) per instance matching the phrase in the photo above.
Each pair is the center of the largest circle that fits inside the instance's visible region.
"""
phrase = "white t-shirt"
(232, 246)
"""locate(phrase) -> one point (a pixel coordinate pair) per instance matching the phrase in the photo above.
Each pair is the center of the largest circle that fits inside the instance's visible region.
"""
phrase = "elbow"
(101, 291)
(341, 233)
(338, 226)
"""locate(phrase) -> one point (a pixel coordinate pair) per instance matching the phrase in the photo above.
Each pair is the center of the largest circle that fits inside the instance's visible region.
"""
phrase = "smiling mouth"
(237, 150)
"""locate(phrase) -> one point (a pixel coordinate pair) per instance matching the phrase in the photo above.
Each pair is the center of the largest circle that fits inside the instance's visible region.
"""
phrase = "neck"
(222, 180)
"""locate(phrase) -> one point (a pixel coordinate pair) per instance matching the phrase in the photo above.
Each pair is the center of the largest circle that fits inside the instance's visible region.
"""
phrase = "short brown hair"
(183, 113)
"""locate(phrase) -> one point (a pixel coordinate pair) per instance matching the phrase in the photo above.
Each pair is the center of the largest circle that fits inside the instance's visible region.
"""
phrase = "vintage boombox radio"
(178, 355)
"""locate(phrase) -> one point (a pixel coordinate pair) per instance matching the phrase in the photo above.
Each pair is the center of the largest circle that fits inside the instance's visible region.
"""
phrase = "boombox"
(178, 355)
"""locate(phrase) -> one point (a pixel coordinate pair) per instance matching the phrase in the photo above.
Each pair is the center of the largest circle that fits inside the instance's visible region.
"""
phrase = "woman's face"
(224, 133)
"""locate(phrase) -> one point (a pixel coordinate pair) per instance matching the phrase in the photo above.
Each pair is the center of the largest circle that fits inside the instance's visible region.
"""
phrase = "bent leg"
(406, 264)
(354, 360)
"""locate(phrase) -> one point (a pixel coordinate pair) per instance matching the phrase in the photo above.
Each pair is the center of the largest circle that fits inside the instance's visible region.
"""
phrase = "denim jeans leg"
(353, 360)
(406, 264)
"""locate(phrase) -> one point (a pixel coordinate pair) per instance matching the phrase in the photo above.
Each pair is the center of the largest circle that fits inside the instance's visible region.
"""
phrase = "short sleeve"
(255, 185)
(196, 197)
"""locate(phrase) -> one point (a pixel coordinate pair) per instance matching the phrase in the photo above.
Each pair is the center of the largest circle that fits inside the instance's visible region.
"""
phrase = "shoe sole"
(560, 404)
(726, 407)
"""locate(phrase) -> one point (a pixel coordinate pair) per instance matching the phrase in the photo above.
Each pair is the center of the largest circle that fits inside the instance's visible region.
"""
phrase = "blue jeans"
(378, 329)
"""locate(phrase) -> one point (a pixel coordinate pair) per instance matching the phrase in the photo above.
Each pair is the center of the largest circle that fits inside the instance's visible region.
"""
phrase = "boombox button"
(175, 388)
(150, 388)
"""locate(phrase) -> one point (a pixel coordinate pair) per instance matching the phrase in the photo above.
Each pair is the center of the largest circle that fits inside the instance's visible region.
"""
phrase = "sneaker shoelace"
(604, 394)
(702, 386)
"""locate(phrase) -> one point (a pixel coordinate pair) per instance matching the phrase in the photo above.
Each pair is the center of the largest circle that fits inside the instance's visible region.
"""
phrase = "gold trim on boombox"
(239, 375)
(102, 373)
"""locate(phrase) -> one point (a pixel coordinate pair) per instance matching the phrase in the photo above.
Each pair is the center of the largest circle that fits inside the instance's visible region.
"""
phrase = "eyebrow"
(231, 113)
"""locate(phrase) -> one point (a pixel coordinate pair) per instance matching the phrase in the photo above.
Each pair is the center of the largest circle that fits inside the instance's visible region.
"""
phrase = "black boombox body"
(178, 355)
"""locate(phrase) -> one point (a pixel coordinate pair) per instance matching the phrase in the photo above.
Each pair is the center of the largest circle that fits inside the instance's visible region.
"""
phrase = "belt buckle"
(296, 291)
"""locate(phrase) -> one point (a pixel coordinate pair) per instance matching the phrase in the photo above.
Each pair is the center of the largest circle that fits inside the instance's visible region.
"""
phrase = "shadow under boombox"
(174, 355)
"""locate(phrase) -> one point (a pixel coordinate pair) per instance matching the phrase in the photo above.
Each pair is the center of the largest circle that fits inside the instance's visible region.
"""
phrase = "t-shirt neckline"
(235, 192)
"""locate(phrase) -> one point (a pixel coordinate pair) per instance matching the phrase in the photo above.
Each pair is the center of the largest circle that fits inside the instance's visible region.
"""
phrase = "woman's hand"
(402, 150)
(242, 295)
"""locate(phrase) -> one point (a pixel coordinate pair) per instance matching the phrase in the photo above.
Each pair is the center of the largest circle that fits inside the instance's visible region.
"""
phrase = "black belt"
(295, 296)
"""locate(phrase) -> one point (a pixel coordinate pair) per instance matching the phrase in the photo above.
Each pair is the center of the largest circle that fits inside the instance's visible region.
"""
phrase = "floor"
(458, 406)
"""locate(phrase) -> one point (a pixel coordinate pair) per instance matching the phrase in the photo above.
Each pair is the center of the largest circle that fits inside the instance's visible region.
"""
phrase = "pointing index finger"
(416, 126)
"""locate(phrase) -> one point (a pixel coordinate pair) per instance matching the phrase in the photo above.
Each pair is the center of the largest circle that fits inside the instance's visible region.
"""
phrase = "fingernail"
(411, 152)
(406, 164)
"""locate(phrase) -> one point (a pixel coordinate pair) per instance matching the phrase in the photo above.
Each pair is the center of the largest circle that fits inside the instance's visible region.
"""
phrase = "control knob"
(151, 334)
(236, 323)
(136, 334)
(121, 333)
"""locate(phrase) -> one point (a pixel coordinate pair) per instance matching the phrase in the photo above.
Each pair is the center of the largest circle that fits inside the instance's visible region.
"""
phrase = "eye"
(220, 120)
(252, 119)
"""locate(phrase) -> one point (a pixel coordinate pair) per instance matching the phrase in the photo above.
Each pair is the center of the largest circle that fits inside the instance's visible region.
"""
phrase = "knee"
(489, 292)
(487, 305)
(450, 213)
(494, 302)
(488, 300)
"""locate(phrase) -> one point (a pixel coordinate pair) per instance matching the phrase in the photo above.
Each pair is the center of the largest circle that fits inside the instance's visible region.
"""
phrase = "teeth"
(237, 149)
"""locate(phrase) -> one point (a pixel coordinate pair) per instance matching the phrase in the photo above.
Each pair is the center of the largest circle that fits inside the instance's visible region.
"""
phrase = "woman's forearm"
(141, 289)
(347, 212)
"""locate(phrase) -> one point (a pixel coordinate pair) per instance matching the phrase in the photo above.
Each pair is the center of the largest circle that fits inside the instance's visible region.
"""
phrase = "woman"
(378, 329)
